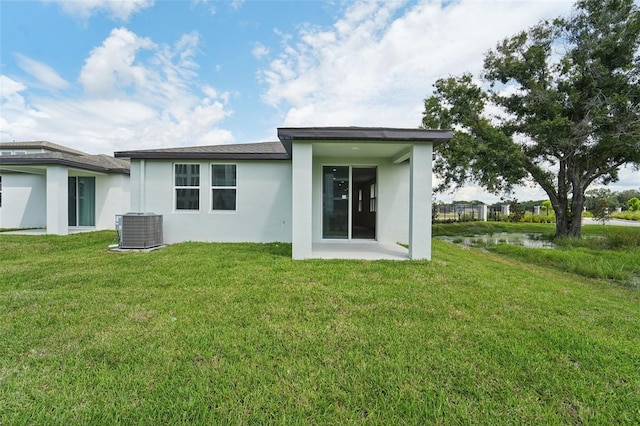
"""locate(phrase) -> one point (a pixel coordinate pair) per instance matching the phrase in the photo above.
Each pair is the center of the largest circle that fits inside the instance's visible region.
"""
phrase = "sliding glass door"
(349, 200)
(82, 201)
(335, 202)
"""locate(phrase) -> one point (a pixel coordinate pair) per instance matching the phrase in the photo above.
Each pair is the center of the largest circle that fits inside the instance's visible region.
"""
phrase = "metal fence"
(496, 212)
(458, 212)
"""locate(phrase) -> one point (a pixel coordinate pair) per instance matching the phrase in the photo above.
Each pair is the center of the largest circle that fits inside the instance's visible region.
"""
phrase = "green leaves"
(560, 105)
(478, 151)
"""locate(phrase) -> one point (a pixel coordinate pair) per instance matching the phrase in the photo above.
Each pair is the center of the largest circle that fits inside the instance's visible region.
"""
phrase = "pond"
(530, 240)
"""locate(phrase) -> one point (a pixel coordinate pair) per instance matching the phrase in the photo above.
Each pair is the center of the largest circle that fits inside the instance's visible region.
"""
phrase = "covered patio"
(358, 191)
(362, 250)
(43, 231)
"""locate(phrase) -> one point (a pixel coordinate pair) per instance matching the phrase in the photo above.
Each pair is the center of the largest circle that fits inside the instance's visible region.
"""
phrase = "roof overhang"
(238, 151)
(6, 162)
(369, 134)
(158, 155)
(394, 143)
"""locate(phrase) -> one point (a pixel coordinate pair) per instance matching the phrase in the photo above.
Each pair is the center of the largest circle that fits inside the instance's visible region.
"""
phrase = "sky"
(111, 75)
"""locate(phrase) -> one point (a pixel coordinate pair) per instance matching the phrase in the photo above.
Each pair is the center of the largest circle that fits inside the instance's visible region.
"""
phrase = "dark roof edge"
(45, 145)
(16, 160)
(363, 133)
(199, 155)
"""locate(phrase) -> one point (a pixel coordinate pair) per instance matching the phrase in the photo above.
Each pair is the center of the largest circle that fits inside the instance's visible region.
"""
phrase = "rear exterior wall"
(23, 201)
(263, 203)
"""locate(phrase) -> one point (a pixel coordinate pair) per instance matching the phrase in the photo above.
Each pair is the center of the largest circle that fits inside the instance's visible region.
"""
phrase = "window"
(82, 201)
(223, 186)
(372, 198)
(187, 185)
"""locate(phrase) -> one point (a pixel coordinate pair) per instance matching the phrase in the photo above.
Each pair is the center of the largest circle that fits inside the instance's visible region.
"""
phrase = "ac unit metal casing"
(140, 230)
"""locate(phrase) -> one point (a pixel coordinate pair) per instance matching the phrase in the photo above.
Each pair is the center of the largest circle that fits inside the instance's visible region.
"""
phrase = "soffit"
(355, 149)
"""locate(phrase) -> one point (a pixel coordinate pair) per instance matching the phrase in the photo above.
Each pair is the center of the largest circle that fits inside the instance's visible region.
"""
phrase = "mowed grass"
(605, 252)
(239, 333)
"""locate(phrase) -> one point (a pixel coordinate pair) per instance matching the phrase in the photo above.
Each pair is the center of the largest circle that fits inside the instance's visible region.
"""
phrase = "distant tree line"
(612, 199)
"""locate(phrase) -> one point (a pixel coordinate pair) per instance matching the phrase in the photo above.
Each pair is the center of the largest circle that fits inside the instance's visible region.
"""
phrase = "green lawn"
(240, 333)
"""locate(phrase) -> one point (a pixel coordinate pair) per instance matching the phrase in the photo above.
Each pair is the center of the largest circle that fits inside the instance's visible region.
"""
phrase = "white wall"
(112, 198)
(23, 201)
(393, 196)
(263, 211)
(302, 200)
(393, 203)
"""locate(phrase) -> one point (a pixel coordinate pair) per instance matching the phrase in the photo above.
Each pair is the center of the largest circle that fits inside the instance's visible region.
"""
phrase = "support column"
(482, 212)
(302, 197)
(137, 186)
(420, 193)
(57, 200)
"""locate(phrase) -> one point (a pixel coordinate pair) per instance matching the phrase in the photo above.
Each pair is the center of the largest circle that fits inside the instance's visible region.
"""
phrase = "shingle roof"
(240, 151)
(98, 163)
(49, 146)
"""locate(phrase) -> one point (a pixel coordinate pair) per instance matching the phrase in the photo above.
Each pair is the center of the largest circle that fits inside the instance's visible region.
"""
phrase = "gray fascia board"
(9, 160)
(371, 134)
(199, 155)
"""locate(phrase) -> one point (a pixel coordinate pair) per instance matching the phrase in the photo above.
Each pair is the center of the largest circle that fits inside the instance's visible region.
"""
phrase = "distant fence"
(483, 212)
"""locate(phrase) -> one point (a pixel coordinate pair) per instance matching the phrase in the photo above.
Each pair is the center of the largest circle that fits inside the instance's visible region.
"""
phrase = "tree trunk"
(562, 217)
(561, 206)
(577, 205)
(569, 215)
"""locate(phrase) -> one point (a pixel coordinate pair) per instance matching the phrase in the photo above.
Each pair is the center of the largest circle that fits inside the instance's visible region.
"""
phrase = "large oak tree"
(558, 104)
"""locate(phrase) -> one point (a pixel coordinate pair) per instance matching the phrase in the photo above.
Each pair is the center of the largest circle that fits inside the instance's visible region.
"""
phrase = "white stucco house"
(324, 189)
(45, 185)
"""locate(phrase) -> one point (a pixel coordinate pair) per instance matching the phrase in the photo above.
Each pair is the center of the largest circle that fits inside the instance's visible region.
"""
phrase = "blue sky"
(103, 76)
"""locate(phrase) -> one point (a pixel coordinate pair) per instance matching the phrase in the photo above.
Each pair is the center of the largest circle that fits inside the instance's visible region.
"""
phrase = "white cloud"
(10, 92)
(259, 51)
(46, 75)
(118, 9)
(137, 94)
(205, 3)
(113, 65)
(376, 64)
(237, 4)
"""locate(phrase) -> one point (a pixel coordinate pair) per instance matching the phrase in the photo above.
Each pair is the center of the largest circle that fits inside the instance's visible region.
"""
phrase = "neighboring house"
(43, 184)
(315, 186)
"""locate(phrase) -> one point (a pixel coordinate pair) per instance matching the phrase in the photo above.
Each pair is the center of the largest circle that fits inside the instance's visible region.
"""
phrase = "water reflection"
(529, 240)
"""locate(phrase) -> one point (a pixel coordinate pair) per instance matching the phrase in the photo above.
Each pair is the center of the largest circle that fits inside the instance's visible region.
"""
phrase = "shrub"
(516, 211)
(602, 211)
(622, 238)
(466, 218)
(627, 215)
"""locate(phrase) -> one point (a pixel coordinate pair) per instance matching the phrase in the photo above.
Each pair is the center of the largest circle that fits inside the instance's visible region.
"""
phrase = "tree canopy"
(557, 104)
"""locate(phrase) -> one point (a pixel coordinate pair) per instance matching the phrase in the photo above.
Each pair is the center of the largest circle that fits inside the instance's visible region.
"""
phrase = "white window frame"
(373, 197)
(214, 187)
(0, 191)
(176, 188)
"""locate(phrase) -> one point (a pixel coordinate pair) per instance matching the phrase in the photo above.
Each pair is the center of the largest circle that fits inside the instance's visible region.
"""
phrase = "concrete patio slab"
(363, 250)
(43, 231)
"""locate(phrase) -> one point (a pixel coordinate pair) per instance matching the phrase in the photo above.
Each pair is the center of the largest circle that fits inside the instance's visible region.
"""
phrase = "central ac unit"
(139, 230)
